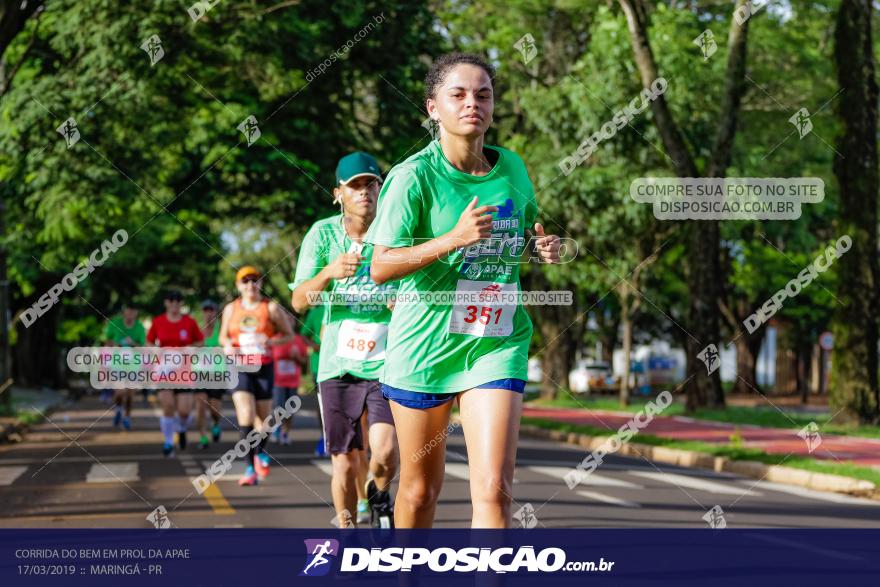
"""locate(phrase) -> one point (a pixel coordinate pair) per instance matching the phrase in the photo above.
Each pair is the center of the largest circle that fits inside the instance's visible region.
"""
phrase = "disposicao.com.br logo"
(443, 559)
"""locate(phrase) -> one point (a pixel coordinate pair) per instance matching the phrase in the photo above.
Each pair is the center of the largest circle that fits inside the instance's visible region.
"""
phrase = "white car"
(589, 376)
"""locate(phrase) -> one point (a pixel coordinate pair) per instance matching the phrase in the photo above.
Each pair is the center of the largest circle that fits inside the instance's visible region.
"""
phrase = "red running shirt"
(184, 332)
(288, 373)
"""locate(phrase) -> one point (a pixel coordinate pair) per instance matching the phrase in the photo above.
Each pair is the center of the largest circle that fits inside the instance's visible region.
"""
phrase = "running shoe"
(203, 442)
(215, 433)
(249, 478)
(117, 418)
(181, 440)
(126, 423)
(261, 465)
(381, 508)
(320, 451)
(285, 439)
(276, 436)
(168, 450)
(363, 514)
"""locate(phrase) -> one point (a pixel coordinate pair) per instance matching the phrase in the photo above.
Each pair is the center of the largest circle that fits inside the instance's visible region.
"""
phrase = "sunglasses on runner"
(250, 279)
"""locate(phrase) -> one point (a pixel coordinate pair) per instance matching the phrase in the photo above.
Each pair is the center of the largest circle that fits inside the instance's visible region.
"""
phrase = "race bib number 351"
(483, 314)
(362, 341)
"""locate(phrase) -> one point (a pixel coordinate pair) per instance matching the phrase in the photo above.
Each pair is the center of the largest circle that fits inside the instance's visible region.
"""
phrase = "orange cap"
(245, 271)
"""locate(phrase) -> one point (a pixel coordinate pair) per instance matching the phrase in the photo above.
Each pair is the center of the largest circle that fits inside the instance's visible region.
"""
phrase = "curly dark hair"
(442, 65)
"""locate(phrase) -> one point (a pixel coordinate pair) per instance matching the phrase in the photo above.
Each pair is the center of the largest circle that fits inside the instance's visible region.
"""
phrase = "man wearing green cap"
(334, 260)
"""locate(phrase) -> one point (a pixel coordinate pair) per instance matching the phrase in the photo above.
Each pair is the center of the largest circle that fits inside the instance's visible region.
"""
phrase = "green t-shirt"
(120, 334)
(356, 323)
(214, 339)
(437, 346)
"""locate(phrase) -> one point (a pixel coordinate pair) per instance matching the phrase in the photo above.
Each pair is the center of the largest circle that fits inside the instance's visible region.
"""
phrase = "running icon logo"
(811, 436)
(159, 518)
(706, 43)
(526, 516)
(153, 48)
(320, 553)
(249, 128)
(710, 358)
(801, 121)
(527, 47)
(715, 518)
(69, 131)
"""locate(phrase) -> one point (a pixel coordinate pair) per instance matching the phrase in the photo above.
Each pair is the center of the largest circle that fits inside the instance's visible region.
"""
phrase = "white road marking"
(608, 499)
(8, 475)
(695, 483)
(813, 494)
(113, 473)
(458, 470)
(325, 466)
(236, 470)
(592, 479)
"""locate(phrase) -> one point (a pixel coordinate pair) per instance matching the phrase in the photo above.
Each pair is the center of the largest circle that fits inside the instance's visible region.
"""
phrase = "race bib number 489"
(362, 341)
(480, 311)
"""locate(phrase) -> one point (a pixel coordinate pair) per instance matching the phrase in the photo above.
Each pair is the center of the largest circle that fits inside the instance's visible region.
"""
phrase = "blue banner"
(513, 557)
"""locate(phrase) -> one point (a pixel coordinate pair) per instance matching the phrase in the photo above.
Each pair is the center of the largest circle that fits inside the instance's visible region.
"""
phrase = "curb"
(700, 460)
(14, 432)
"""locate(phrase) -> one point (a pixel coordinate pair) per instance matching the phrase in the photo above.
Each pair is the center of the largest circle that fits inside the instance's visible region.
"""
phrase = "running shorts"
(259, 383)
(423, 401)
(342, 401)
(213, 393)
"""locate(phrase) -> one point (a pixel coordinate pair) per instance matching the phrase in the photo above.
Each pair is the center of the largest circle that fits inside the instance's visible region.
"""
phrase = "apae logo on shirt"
(496, 255)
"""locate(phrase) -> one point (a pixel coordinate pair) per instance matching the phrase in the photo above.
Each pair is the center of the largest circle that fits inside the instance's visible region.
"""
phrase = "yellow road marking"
(218, 503)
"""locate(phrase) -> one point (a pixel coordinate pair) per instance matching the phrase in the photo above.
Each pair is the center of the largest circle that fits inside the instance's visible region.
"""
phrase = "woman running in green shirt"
(452, 218)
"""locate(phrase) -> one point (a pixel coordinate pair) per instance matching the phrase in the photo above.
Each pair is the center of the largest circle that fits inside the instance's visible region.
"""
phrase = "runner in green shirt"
(209, 399)
(124, 331)
(452, 220)
(334, 259)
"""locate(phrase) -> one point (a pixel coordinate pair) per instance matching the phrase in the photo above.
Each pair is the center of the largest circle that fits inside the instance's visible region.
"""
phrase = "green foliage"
(160, 155)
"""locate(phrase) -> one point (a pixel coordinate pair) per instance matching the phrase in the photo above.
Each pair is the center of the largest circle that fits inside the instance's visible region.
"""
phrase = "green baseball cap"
(357, 164)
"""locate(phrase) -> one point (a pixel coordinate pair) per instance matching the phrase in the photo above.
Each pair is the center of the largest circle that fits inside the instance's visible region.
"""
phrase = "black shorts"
(342, 401)
(259, 383)
(213, 393)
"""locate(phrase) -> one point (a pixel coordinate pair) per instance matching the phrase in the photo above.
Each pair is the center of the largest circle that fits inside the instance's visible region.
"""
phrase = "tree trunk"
(608, 330)
(557, 356)
(804, 355)
(854, 385)
(36, 351)
(704, 275)
(626, 324)
(747, 350)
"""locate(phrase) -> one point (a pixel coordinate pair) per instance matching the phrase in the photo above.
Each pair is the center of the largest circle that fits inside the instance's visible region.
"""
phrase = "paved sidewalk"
(861, 451)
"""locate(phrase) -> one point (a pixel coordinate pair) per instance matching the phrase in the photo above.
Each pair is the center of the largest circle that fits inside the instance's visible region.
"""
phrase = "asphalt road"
(75, 470)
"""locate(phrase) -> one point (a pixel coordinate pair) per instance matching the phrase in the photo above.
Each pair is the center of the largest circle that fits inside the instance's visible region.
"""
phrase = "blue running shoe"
(126, 423)
(117, 418)
(320, 451)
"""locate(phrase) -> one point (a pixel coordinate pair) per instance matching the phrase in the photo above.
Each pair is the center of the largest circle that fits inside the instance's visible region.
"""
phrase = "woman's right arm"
(391, 264)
